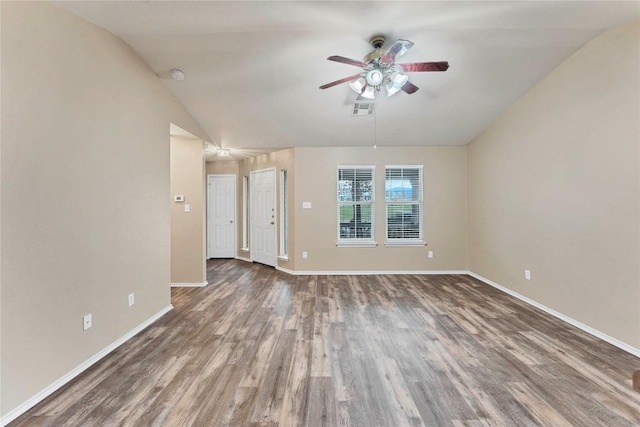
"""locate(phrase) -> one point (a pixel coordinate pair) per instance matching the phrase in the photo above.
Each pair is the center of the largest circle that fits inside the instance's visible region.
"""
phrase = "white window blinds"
(403, 197)
(355, 204)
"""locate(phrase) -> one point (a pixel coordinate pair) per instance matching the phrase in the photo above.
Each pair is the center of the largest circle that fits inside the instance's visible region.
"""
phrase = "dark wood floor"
(260, 347)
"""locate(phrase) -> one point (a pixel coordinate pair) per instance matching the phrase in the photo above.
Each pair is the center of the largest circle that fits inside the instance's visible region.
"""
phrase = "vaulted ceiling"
(253, 69)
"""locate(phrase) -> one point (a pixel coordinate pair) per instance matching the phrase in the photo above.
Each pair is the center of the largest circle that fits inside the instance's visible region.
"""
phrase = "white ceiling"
(253, 68)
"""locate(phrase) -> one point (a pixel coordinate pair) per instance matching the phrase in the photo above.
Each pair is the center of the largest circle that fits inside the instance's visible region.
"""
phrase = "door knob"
(231, 222)
(271, 223)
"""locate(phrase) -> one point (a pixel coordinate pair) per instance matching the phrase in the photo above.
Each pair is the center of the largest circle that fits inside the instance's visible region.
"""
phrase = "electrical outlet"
(132, 299)
(527, 274)
(430, 254)
(304, 254)
(86, 322)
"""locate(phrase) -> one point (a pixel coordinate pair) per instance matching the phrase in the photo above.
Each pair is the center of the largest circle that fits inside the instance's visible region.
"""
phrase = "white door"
(263, 216)
(221, 217)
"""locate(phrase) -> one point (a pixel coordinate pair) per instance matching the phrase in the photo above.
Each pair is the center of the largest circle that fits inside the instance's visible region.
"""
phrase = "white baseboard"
(189, 285)
(15, 413)
(285, 270)
(367, 273)
(586, 328)
(241, 258)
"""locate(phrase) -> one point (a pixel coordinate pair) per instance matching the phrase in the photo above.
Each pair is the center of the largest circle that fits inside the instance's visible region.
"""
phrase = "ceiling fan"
(379, 69)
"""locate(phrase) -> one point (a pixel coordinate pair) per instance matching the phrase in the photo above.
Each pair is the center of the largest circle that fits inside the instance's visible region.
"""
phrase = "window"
(355, 205)
(245, 213)
(284, 220)
(403, 196)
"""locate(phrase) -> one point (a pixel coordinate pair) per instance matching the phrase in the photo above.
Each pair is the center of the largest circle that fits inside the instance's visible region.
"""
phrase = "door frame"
(275, 209)
(235, 211)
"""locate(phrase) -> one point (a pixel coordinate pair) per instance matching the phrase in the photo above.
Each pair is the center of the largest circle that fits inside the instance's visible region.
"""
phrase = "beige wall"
(283, 159)
(224, 167)
(445, 210)
(554, 187)
(85, 191)
(188, 242)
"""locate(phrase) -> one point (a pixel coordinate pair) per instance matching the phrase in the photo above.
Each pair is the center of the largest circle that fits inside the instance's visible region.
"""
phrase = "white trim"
(356, 244)
(189, 285)
(282, 206)
(241, 258)
(15, 413)
(586, 328)
(405, 243)
(286, 270)
(245, 212)
(403, 166)
(369, 273)
(283, 257)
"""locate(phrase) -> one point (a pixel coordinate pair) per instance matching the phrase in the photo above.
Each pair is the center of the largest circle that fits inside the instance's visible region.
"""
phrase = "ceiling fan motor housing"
(378, 41)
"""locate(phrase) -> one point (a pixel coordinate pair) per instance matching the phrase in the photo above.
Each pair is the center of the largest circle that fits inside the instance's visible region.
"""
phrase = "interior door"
(263, 216)
(221, 218)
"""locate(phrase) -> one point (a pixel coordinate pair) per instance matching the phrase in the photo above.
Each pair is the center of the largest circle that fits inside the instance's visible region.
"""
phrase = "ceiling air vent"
(364, 108)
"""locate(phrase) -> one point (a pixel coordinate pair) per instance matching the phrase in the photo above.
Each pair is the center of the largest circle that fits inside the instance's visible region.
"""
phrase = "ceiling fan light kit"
(380, 70)
(369, 92)
(358, 85)
(375, 77)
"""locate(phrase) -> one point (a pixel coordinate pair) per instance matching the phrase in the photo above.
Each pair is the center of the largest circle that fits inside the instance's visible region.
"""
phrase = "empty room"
(320, 213)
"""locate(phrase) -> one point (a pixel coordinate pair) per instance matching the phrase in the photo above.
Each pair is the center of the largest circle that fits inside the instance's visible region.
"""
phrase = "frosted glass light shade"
(369, 93)
(358, 85)
(397, 81)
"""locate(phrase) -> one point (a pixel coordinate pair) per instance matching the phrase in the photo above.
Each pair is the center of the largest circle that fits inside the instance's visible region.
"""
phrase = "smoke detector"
(176, 74)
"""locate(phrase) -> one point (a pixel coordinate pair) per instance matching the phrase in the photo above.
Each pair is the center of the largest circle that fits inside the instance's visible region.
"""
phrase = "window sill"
(405, 243)
(356, 244)
(283, 257)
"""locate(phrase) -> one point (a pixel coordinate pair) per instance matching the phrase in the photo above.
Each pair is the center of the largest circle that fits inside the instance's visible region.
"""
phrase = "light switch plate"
(187, 208)
(306, 205)
(87, 321)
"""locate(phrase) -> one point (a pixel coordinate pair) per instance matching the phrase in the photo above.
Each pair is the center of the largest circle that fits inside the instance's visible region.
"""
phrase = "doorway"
(221, 216)
(263, 216)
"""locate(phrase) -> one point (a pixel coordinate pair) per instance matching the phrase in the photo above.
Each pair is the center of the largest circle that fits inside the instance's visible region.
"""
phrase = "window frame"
(403, 241)
(284, 214)
(354, 241)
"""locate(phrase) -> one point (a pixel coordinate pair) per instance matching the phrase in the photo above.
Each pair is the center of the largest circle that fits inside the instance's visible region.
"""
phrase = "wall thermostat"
(178, 198)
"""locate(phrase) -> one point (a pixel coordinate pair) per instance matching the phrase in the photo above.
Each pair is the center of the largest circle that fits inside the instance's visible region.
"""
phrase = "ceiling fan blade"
(349, 61)
(399, 48)
(409, 88)
(425, 66)
(337, 82)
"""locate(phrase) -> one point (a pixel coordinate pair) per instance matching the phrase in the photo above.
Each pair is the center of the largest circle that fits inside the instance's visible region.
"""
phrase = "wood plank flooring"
(258, 347)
